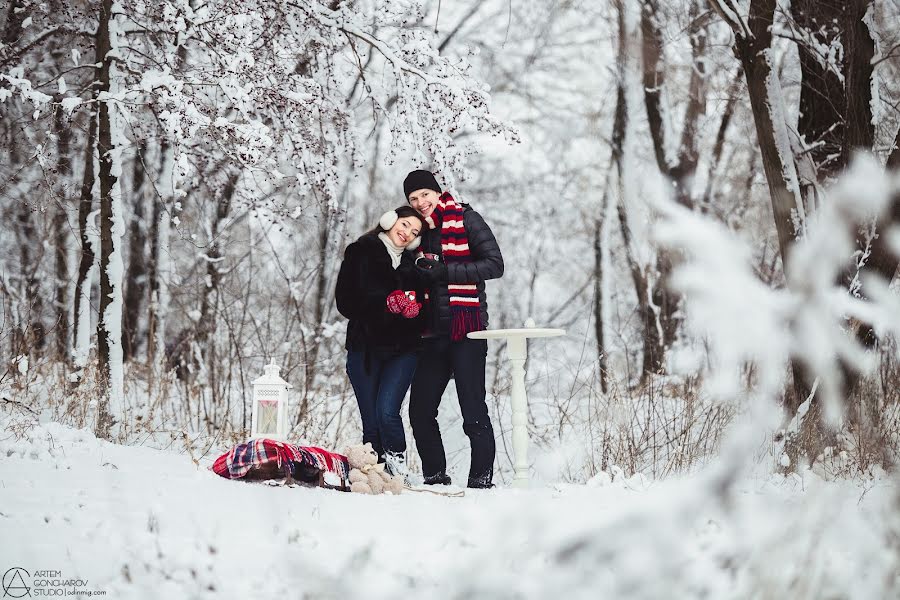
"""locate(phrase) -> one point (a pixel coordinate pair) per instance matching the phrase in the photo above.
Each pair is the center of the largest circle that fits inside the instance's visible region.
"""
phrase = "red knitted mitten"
(397, 302)
(412, 310)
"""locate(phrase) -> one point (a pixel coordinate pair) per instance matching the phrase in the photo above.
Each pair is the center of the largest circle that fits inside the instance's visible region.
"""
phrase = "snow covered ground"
(137, 522)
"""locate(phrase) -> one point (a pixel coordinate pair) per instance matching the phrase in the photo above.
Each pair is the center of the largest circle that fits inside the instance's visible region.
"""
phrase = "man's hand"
(431, 270)
(397, 302)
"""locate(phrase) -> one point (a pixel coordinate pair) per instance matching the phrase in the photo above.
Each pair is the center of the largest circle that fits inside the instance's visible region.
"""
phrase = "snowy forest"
(704, 194)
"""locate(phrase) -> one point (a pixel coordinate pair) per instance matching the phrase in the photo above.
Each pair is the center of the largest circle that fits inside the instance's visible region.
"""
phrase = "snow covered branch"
(731, 14)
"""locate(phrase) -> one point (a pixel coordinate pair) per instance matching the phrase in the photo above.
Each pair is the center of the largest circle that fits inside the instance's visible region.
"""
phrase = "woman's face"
(404, 231)
(424, 201)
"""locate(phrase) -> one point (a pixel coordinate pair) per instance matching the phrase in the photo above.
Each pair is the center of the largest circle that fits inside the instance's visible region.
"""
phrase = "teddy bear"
(367, 475)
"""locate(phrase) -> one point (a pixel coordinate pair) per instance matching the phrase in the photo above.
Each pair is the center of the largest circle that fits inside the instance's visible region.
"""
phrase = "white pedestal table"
(517, 353)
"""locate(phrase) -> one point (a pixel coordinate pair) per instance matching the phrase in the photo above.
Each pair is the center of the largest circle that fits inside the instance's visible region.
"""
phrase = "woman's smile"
(404, 231)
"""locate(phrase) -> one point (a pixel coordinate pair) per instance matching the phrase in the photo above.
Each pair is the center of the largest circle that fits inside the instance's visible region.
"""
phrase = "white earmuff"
(388, 219)
(415, 243)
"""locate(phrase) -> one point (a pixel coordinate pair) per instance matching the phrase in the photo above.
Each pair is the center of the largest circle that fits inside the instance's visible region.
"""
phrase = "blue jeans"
(379, 393)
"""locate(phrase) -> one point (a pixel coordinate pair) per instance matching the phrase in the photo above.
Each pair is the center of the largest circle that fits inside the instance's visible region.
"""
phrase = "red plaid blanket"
(238, 461)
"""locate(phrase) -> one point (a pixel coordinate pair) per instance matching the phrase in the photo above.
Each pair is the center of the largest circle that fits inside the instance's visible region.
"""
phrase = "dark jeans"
(379, 393)
(465, 361)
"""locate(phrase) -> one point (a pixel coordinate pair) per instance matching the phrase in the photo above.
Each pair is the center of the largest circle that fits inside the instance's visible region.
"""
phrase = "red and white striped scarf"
(465, 308)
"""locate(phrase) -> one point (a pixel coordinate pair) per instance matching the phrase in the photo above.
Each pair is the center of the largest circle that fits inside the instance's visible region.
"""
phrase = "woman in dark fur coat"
(379, 291)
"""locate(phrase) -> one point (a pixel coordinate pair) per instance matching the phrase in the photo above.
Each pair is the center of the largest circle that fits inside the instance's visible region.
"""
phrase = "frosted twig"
(729, 12)
(392, 58)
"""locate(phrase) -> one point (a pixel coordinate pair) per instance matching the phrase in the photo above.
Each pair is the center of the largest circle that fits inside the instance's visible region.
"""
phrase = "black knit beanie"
(419, 180)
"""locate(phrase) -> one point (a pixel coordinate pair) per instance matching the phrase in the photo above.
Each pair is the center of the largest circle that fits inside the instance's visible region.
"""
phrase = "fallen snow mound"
(142, 523)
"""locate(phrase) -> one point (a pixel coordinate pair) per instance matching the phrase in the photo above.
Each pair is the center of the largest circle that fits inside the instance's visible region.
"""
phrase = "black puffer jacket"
(363, 284)
(485, 263)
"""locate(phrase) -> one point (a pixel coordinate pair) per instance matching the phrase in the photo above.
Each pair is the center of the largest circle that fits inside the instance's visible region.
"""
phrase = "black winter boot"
(481, 483)
(438, 479)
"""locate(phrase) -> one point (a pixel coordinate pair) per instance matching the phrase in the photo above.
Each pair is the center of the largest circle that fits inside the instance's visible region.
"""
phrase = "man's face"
(424, 201)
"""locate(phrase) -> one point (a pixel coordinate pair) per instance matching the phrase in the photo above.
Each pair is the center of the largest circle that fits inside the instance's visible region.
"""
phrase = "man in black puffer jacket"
(460, 254)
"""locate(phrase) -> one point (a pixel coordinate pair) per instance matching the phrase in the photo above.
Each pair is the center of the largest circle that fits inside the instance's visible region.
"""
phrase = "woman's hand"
(412, 310)
(397, 302)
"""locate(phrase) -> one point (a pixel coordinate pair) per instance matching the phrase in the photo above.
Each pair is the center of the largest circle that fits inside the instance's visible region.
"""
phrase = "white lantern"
(270, 397)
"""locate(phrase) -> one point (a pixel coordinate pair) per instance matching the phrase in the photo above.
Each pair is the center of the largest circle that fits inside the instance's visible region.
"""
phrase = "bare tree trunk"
(859, 50)
(164, 272)
(821, 127)
(106, 328)
(15, 15)
(32, 336)
(83, 285)
(136, 288)
(209, 303)
(620, 128)
(29, 336)
(654, 308)
(609, 201)
(752, 46)
(893, 160)
(312, 356)
(370, 208)
(883, 259)
(598, 298)
(653, 75)
(653, 78)
(209, 300)
(719, 146)
(660, 322)
(60, 235)
(822, 95)
(158, 263)
(153, 277)
(859, 133)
